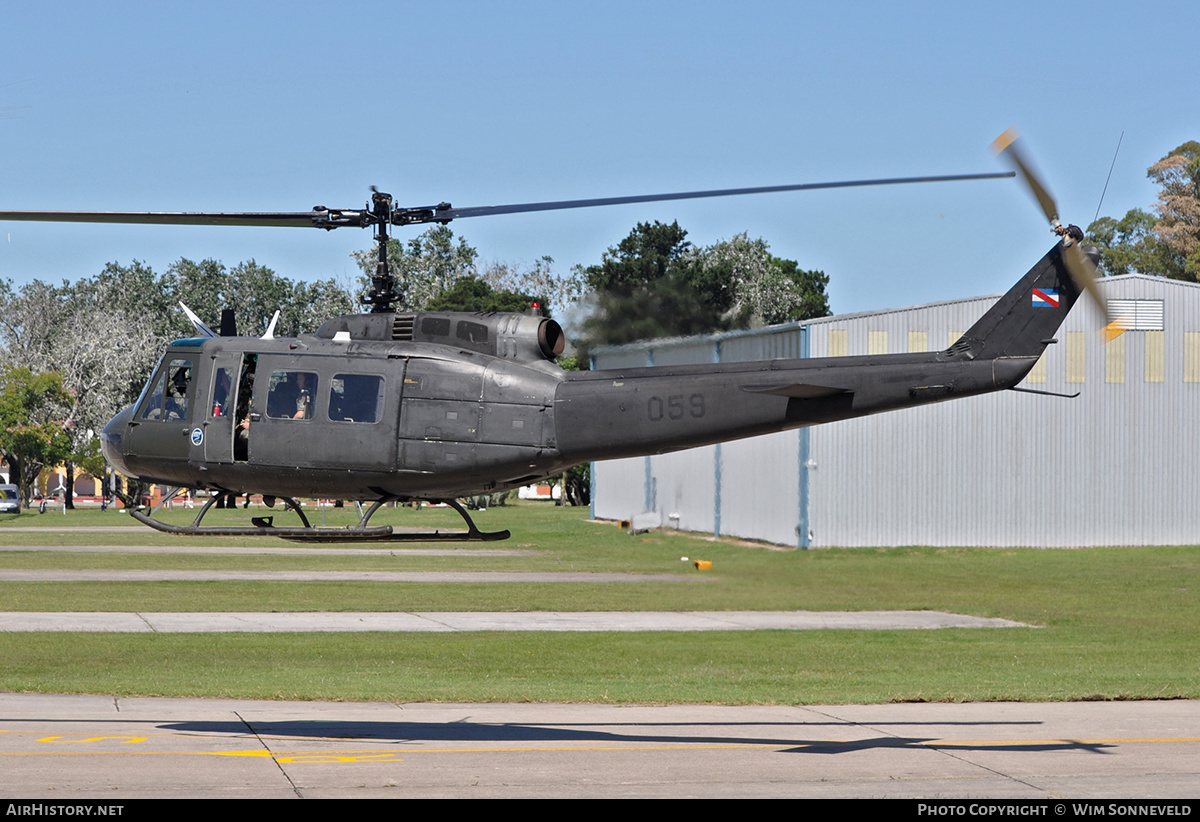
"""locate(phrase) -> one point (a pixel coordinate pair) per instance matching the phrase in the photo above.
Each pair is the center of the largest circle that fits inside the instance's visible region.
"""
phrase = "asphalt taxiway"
(76, 748)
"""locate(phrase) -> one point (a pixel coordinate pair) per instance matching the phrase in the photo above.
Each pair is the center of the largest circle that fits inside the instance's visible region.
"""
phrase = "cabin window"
(435, 326)
(356, 398)
(168, 397)
(222, 395)
(290, 396)
(472, 332)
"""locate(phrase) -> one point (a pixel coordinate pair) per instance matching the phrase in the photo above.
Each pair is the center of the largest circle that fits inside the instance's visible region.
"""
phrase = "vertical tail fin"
(1023, 321)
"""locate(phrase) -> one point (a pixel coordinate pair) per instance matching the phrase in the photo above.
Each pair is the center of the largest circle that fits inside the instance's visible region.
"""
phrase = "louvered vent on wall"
(1136, 315)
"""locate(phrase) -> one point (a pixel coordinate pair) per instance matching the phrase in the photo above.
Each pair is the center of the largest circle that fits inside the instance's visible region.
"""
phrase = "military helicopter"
(392, 406)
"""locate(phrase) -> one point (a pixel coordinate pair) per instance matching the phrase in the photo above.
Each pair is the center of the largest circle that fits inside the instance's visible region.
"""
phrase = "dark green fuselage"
(459, 404)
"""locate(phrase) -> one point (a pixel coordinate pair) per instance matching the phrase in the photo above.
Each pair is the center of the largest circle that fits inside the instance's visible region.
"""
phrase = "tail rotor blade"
(1006, 146)
(1083, 272)
(1081, 269)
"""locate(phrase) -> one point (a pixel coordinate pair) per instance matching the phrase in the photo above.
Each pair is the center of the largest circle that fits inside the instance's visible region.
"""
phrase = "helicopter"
(434, 405)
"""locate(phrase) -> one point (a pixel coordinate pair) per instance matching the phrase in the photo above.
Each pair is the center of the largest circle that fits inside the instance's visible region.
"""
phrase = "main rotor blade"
(330, 218)
(518, 208)
(303, 219)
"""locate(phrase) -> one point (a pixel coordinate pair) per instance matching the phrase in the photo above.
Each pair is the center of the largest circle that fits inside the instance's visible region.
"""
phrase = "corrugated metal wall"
(1113, 466)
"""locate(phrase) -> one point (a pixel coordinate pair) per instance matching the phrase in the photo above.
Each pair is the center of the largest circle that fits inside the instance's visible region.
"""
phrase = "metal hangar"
(1113, 466)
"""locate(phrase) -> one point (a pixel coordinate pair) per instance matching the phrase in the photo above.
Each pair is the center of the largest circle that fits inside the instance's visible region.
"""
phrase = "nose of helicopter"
(111, 437)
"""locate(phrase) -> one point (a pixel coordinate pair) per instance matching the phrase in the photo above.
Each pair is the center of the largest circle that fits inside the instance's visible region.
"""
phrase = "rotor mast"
(384, 213)
(383, 285)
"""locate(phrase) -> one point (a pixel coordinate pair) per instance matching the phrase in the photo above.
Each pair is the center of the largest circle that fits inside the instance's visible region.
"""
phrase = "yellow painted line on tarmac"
(266, 754)
(374, 755)
(143, 737)
(555, 749)
(123, 739)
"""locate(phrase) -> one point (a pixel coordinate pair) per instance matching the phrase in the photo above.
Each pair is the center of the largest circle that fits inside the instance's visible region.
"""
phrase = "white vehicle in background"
(10, 500)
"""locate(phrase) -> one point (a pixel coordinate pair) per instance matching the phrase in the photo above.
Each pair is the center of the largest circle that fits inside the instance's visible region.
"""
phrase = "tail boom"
(637, 411)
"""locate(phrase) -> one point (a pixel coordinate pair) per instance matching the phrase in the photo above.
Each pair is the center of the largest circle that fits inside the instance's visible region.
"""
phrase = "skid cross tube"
(264, 527)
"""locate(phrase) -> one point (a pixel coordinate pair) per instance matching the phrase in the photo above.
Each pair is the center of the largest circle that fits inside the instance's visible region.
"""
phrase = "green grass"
(1115, 623)
(735, 667)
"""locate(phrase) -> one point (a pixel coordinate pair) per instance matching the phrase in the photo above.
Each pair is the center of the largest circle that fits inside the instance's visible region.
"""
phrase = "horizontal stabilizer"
(799, 390)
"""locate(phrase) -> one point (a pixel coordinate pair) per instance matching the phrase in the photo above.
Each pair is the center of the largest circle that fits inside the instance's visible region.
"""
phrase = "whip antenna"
(1110, 171)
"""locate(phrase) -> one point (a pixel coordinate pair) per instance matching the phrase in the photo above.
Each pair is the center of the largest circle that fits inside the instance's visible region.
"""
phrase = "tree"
(33, 435)
(1127, 245)
(100, 354)
(1178, 226)
(473, 294)
(655, 283)
(810, 299)
(1167, 242)
(424, 267)
(555, 292)
(135, 290)
(30, 321)
(204, 287)
(429, 267)
(651, 285)
(757, 287)
(649, 254)
(314, 303)
(102, 363)
(255, 293)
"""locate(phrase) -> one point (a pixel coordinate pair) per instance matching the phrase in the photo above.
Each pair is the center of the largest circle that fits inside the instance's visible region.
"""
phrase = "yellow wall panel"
(1191, 356)
(1114, 359)
(839, 342)
(877, 342)
(1038, 373)
(1154, 356)
(1076, 356)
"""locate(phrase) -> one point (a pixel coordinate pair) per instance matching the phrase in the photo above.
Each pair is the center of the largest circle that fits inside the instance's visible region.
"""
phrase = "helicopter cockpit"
(168, 391)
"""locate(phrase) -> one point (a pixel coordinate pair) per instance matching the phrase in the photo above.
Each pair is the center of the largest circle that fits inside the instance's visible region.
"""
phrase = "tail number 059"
(675, 407)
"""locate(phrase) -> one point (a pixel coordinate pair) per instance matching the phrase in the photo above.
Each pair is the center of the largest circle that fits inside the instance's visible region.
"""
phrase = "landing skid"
(264, 527)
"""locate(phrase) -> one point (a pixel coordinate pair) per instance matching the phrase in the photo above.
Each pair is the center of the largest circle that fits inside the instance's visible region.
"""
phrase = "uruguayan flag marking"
(1045, 298)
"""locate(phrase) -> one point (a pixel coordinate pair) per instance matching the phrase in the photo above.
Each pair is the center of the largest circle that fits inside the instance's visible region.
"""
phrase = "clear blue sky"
(242, 106)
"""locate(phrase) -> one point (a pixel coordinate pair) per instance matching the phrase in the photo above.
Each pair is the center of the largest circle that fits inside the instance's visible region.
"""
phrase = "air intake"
(402, 327)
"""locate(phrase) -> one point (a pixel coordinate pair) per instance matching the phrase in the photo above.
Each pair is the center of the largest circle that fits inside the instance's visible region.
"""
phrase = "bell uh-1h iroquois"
(437, 405)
